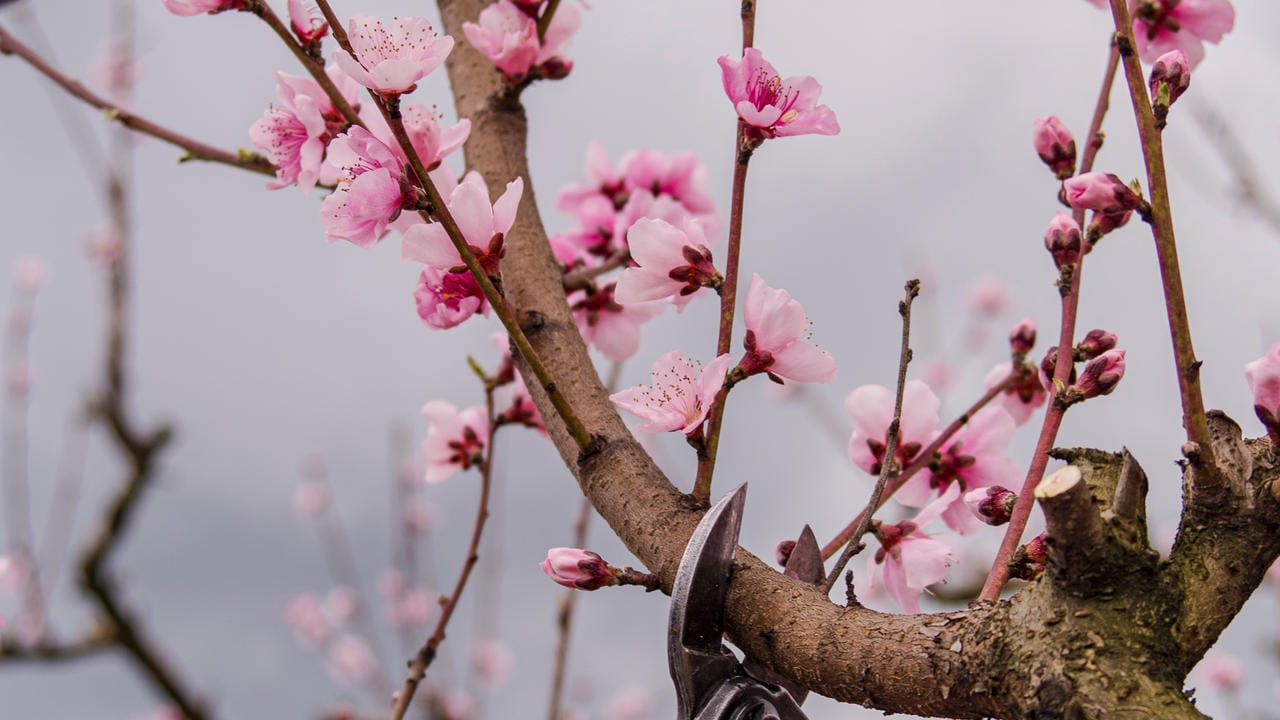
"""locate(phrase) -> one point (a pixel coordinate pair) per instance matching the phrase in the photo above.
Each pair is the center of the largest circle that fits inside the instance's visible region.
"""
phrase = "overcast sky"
(264, 345)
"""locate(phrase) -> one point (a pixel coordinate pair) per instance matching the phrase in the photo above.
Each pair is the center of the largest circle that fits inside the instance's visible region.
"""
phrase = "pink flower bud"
(1062, 240)
(1220, 671)
(1103, 223)
(782, 552)
(1094, 344)
(576, 568)
(1055, 146)
(1100, 192)
(1263, 376)
(1030, 560)
(1170, 77)
(1101, 375)
(993, 505)
(1050, 364)
(1023, 337)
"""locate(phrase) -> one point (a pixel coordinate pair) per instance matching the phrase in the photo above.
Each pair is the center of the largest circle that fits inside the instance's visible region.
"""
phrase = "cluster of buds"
(579, 569)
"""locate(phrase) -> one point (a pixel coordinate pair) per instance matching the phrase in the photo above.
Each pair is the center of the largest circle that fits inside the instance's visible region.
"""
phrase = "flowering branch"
(314, 66)
(1161, 221)
(427, 653)
(9, 45)
(745, 144)
(890, 464)
(1069, 288)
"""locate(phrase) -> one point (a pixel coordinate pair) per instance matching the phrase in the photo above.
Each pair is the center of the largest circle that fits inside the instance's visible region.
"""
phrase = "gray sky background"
(264, 344)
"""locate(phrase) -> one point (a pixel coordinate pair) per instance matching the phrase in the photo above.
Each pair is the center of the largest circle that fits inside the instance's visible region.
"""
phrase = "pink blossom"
(613, 329)
(775, 106)
(455, 440)
(910, 559)
(341, 604)
(187, 8)
(631, 702)
(973, 458)
(370, 189)
(458, 705)
(103, 246)
(13, 572)
(431, 142)
(30, 273)
(296, 131)
(446, 299)
(987, 296)
(1100, 192)
(871, 408)
(775, 342)
(521, 409)
(492, 661)
(1263, 377)
(420, 518)
(392, 60)
(310, 624)
(1055, 146)
(414, 608)
(350, 659)
(116, 68)
(306, 25)
(391, 583)
(508, 36)
(576, 569)
(603, 181)
(1164, 25)
(671, 263)
(1220, 671)
(678, 175)
(483, 226)
(1095, 343)
(310, 499)
(19, 378)
(1020, 400)
(681, 394)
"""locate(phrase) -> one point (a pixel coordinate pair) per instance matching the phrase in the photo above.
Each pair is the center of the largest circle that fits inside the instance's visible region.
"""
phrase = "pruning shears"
(711, 684)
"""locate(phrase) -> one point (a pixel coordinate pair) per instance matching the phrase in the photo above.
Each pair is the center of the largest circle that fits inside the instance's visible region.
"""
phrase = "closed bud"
(1023, 337)
(1062, 240)
(1100, 192)
(782, 553)
(1055, 146)
(577, 569)
(993, 505)
(1103, 223)
(1030, 560)
(1170, 77)
(1101, 375)
(1047, 367)
(1094, 344)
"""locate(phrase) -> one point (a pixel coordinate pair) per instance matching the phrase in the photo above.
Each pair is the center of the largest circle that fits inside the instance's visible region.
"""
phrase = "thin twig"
(581, 279)
(743, 148)
(427, 653)
(314, 67)
(196, 150)
(544, 21)
(890, 464)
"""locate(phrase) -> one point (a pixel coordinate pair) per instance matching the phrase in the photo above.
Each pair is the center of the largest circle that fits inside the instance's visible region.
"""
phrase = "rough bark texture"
(1117, 643)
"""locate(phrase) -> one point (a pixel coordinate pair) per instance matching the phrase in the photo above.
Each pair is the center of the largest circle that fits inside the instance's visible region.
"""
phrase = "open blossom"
(306, 22)
(678, 176)
(1263, 376)
(671, 263)
(775, 106)
(445, 299)
(974, 458)
(295, 132)
(871, 408)
(576, 569)
(455, 440)
(188, 8)
(681, 394)
(1021, 399)
(909, 559)
(775, 341)
(483, 226)
(508, 36)
(613, 328)
(370, 190)
(1163, 25)
(391, 60)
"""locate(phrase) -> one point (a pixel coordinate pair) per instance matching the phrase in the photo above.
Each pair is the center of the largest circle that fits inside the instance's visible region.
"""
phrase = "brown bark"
(1118, 646)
